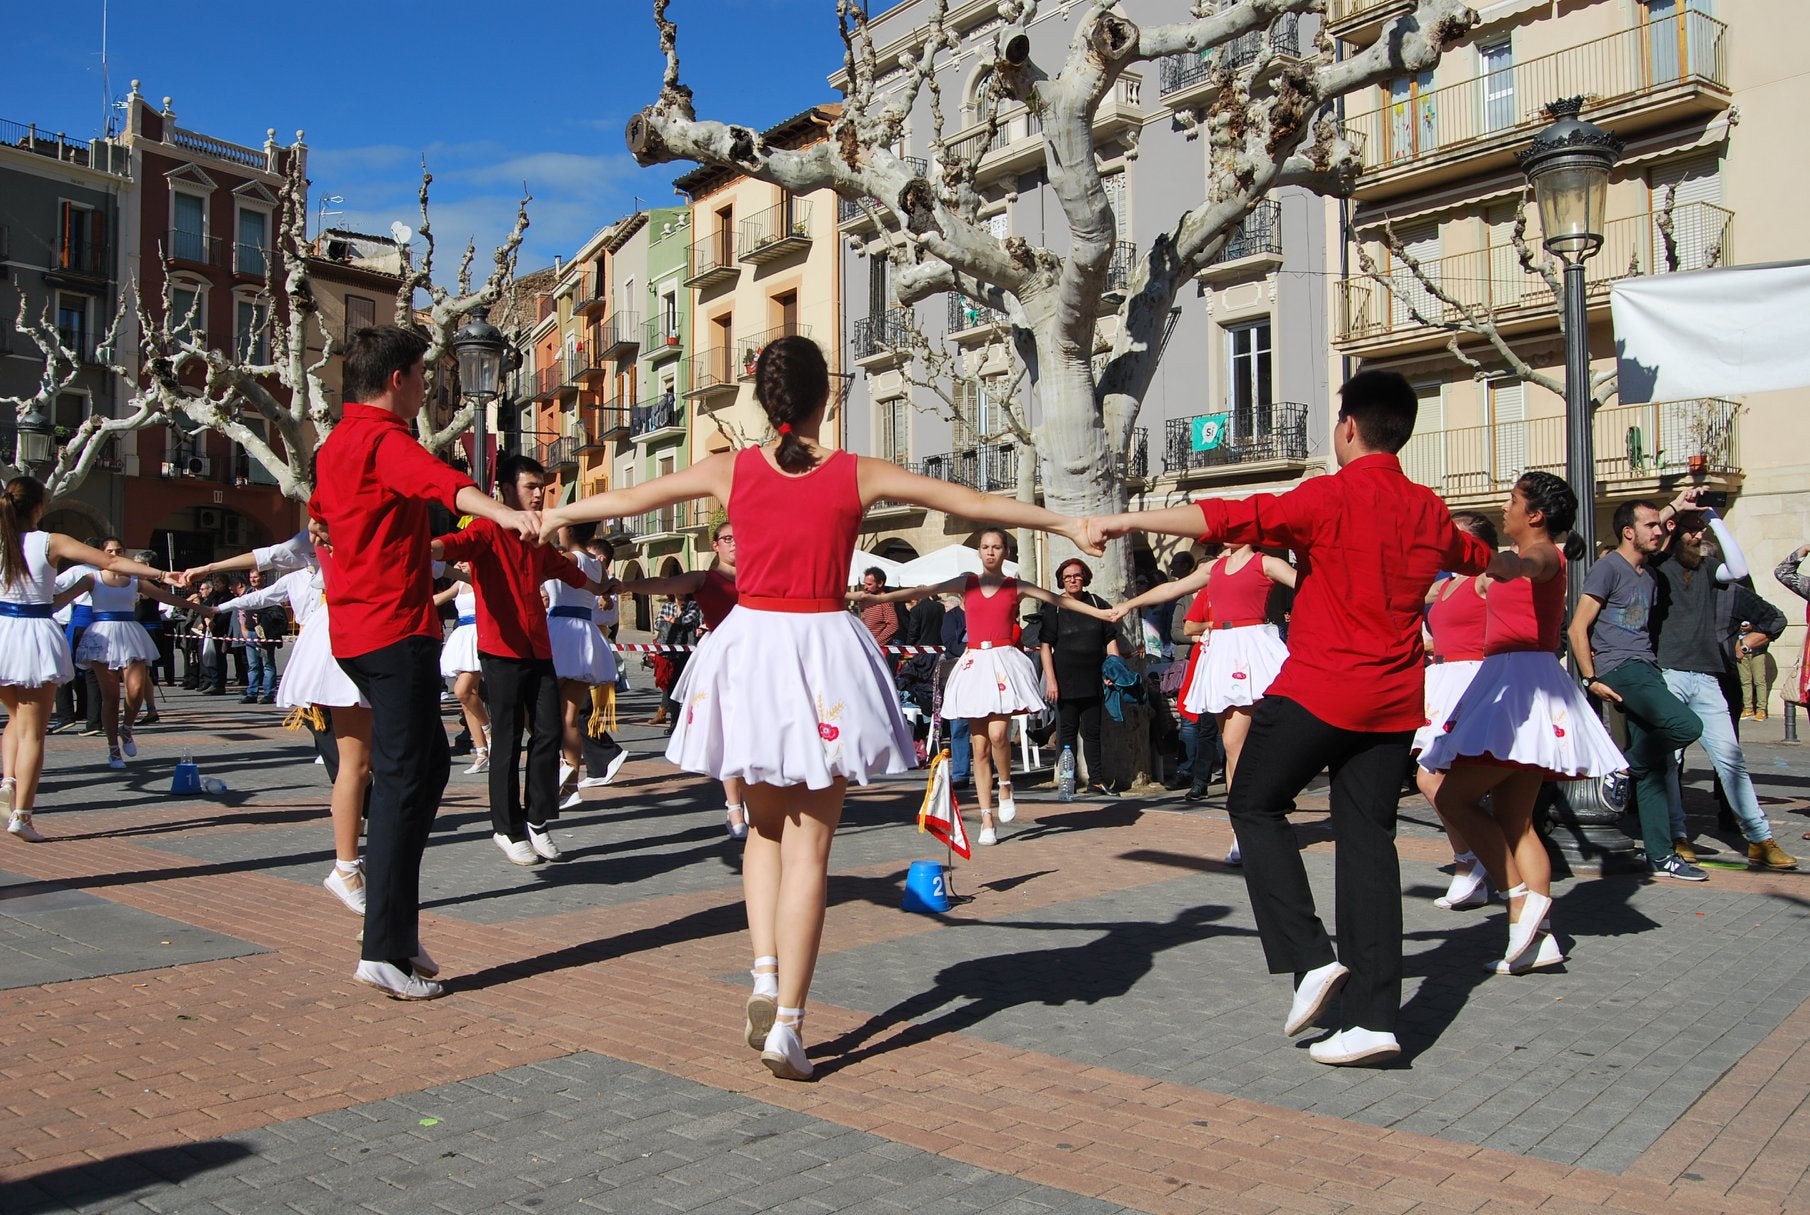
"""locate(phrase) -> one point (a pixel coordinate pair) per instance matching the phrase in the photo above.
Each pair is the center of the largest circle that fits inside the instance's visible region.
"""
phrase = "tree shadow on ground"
(115, 1178)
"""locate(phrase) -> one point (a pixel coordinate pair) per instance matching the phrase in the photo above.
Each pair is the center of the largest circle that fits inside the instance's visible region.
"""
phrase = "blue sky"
(491, 94)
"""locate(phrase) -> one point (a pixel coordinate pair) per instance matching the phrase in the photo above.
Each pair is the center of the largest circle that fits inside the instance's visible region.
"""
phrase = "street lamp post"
(34, 433)
(479, 347)
(1568, 167)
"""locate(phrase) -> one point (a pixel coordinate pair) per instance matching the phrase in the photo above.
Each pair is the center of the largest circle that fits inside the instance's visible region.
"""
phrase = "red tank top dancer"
(1456, 619)
(1244, 653)
(716, 595)
(1239, 599)
(791, 690)
(990, 616)
(1524, 616)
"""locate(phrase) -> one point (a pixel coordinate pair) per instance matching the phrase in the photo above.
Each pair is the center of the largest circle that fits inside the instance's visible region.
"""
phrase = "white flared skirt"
(115, 644)
(459, 653)
(33, 652)
(581, 651)
(996, 682)
(1236, 669)
(313, 676)
(1522, 710)
(788, 698)
(1446, 682)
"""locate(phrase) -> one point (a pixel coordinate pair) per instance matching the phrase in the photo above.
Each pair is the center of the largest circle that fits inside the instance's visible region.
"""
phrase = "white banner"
(1712, 333)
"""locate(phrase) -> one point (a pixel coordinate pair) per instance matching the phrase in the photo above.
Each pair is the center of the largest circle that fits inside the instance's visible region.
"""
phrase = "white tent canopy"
(1712, 333)
(941, 565)
(862, 562)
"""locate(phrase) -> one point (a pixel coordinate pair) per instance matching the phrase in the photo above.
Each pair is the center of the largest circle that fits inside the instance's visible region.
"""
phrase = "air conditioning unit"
(198, 466)
(207, 520)
(233, 533)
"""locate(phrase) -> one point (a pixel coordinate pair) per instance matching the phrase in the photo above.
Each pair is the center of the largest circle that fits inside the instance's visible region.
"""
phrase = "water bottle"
(1065, 775)
(213, 784)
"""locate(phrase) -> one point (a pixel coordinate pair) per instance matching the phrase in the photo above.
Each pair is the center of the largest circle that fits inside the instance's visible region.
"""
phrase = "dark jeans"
(1286, 748)
(261, 668)
(1659, 726)
(80, 697)
(518, 692)
(1081, 714)
(401, 683)
(1202, 752)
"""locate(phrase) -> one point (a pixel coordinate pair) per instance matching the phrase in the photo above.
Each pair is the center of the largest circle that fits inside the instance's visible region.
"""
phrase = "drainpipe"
(1338, 54)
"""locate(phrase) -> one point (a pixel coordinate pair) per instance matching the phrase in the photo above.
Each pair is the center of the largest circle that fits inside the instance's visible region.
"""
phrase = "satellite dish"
(401, 233)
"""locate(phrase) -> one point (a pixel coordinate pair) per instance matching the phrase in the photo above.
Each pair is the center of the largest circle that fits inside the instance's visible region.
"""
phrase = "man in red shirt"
(373, 486)
(1370, 542)
(517, 660)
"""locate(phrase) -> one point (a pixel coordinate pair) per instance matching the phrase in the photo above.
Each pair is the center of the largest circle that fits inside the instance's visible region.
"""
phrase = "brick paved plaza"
(1093, 1032)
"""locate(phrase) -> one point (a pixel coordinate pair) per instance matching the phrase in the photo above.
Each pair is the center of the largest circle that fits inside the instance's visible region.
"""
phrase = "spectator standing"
(881, 619)
(1074, 648)
(1787, 573)
(263, 629)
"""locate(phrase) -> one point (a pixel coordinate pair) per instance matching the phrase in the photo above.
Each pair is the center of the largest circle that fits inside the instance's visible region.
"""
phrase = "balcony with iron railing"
(619, 337)
(250, 260)
(194, 249)
(988, 467)
(1256, 244)
(750, 347)
(1016, 144)
(81, 259)
(661, 338)
(560, 453)
(849, 212)
(970, 318)
(881, 338)
(779, 231)
(657, 419)
(577, 369)
(1655, 74)
(1192, 77)
(1266, 438)
(1389, 312)
(713, 376)
(1637, 446)
(1118, 270)
(587, 367)
(81, 345)
(1361, 20)
(713, 261)
(548, 379)
(603, 423)
(668, 522)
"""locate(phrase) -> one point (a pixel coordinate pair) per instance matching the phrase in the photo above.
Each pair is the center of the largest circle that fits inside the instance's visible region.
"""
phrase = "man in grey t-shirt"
(1611, 636)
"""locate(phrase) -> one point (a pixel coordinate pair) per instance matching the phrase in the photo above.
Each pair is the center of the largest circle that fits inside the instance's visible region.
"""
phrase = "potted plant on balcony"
(750, 357)
(799, 228)
(1706, 429)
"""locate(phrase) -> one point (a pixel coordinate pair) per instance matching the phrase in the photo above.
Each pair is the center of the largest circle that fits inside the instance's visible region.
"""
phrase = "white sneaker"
(519, 852)
(1318, 987)
(572, 800)
(479, 763)
(424, 964)
(568, 778)
(543, 845)
(1008, 808)
(1236, 855)
(1546, 953)
(128, 744)
(394, 984)
(783, 1052)
(349, 888)
(987, 836)
(615, 766)
(19, 824)
(113, 758)
(1352, 1046)
(737, 831)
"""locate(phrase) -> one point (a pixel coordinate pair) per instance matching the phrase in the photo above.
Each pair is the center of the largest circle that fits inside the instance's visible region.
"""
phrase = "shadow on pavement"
(118, 1177)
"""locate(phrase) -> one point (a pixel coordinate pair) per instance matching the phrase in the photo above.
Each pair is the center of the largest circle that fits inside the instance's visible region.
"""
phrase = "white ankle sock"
(766, 982)
(788, 1016)
(348, 867)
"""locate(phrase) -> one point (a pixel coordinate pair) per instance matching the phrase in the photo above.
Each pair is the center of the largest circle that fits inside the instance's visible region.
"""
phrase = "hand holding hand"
(186, 578)
(1085, 537)
(1118, 613)
(548, 523)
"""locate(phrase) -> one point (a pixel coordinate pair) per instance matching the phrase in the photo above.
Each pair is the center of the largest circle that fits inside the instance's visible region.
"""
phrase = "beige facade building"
(1706, 96)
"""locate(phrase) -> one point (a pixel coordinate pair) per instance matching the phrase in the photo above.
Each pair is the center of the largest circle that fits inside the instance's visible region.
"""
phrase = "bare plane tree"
(1268, 127)
(270, 399)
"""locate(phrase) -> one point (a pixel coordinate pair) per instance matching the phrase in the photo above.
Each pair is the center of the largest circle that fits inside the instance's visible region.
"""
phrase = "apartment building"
(1705, 95)
(355, 277)
(60, 207)
(1241, 401)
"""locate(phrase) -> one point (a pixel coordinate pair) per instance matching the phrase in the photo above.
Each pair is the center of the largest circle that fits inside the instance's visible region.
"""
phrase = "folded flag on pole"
(1712, 333)
(939, 815)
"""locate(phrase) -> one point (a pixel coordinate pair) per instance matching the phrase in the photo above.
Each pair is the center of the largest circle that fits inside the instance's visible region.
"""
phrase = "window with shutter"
(1408, 294)
(1507, 430)
(1698, 221)
(361, 313)
(1498, 62)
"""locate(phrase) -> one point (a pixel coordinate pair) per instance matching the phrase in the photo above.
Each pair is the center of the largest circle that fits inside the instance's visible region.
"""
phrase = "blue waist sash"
(100, 616)
(572, 613)
(37, 611)
(464, 620)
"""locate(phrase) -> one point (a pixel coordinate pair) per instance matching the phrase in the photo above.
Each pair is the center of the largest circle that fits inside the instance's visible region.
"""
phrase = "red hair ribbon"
(785, 428)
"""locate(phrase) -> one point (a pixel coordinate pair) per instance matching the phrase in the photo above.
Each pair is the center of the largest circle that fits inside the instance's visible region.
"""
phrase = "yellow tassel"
(305, 717)
(603, 710)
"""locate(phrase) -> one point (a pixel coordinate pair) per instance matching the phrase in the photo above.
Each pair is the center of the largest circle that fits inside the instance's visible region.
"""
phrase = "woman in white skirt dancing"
(1455, 624)
(792, 695)
(583, 658)
(116, 647)
(1244, 652)
(994, 680)
(459, 663)
(1521, 721)
(34, 654)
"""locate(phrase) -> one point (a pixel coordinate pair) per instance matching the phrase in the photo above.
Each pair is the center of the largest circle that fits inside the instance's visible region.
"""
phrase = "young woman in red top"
(1454, 626)
(1243, 652)
(792, 695)
(993, 681)
(1521, 721)
(714, 590)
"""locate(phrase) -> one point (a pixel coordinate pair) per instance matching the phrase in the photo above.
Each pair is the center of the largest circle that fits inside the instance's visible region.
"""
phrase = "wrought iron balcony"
(619, 337)
(752, 346)
(657, 417)
(848, 211)
(195, 249)
(1188, 71)
(661, 337)
(883, 335)
(1492, 278)
(713, 261)
(1257, 234)
(603, 423)
(1254, 434)
(1118, 271)
(967, 316)
(250, 260)
(560, 452)
(776, 232)
(990, 467)
(1136, 466)
(548, 379)
(712, 375)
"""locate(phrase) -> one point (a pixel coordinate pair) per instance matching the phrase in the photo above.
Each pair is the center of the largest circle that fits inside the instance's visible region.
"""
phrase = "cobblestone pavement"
(1090, 1030)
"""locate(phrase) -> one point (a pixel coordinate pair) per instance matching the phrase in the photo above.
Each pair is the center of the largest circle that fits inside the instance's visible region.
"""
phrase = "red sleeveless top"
(1457, 622)
(1525, 615)
(795, 535)
(990, 617)
(1240, 598)
(715, 597)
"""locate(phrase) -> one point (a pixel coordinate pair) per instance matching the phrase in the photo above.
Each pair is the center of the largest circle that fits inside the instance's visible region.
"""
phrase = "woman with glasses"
(1074, 649)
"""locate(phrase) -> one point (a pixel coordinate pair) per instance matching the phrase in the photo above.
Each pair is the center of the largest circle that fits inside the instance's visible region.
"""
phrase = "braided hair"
(21, 500)
(1548, 494)
(1478, 526)
(791, 382)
